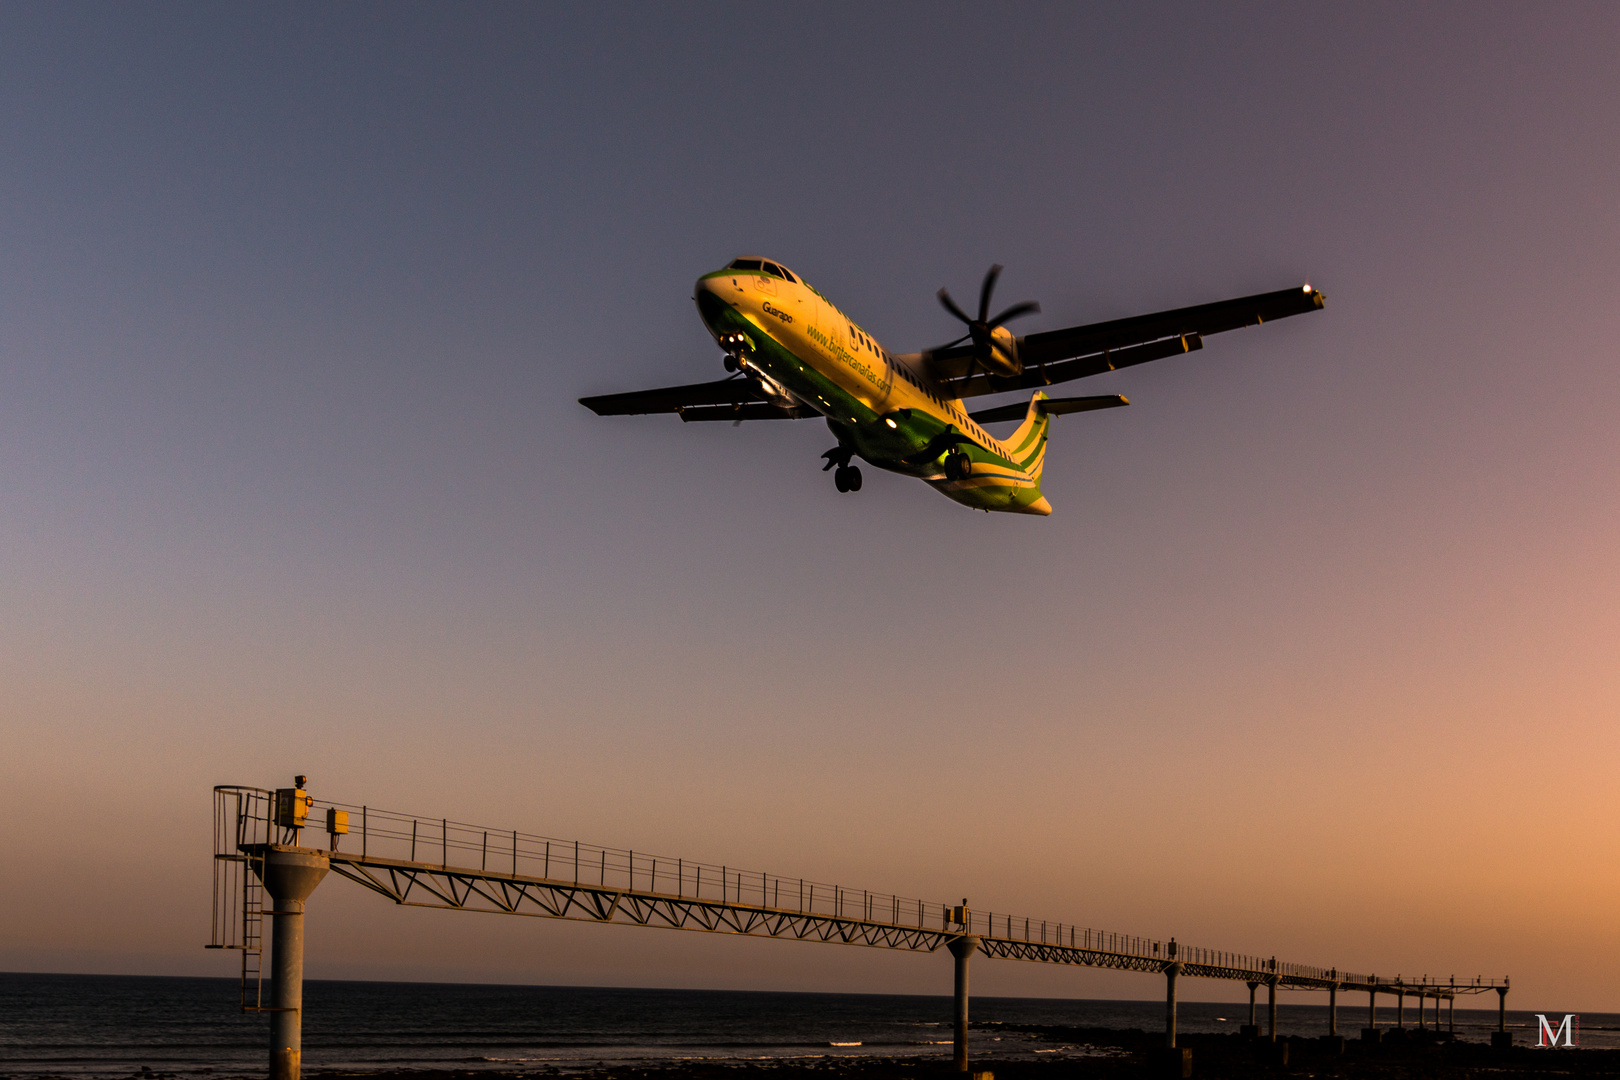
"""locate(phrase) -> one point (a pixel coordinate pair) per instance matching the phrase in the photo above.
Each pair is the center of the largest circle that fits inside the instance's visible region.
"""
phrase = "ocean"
(98, 1026)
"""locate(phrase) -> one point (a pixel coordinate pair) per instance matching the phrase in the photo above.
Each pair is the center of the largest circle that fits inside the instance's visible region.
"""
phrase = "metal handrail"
(465, 847)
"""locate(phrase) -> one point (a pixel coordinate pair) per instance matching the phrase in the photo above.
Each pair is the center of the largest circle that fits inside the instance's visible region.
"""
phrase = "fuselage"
(803, 351)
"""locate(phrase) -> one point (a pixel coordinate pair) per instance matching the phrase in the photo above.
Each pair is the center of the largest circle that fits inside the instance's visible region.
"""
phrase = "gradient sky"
(1317, 655)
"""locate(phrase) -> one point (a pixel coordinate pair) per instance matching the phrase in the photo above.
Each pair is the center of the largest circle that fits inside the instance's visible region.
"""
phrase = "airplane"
(796, 355)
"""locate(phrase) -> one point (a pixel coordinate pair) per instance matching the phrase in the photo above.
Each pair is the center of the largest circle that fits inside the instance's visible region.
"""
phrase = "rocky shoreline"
(1095, 1054)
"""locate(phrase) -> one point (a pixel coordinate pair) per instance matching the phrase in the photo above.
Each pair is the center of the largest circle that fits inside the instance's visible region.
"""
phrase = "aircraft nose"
(709, 296)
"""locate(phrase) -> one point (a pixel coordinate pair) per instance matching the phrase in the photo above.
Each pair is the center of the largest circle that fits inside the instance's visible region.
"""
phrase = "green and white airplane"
(796, 355)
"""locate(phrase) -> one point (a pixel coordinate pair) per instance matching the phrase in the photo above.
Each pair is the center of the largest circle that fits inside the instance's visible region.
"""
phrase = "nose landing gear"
(737, 351)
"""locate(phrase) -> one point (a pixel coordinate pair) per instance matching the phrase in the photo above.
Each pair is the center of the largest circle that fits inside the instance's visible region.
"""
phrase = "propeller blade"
(1028, 307)
(947, 345)
(986, 289)
(950, 306)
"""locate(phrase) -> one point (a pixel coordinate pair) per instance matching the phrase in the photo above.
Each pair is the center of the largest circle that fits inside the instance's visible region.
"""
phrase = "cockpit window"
(764, 267)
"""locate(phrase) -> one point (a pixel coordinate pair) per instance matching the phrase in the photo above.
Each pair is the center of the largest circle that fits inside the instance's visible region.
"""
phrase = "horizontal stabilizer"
(1051, 407)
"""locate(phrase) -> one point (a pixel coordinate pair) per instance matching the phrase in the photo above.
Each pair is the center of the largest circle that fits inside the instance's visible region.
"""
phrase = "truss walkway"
(436, 862)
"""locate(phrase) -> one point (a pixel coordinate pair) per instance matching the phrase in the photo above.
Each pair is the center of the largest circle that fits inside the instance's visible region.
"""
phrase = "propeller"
(980, 329)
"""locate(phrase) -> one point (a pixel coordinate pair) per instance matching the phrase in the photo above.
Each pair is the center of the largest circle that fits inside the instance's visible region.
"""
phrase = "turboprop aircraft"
(795, 355)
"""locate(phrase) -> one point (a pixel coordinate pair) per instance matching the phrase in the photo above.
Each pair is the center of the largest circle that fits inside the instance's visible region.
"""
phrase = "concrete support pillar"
(1501, 1037)
(1333, 1009)
(290, 875)
(1271, 985)
(1372, 1009)
(1451, 1014)
(1423, 999)
(1170, 973)
(961, 948)
(1252, 1021)
(1400, 1008)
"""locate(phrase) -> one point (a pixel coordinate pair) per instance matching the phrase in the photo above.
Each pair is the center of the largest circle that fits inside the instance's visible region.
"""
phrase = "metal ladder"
(241, 832)
(252, 937)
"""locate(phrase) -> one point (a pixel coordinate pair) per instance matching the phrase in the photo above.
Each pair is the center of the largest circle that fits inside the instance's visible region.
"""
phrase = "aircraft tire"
(841, 478)
(854, 478)
(958, 467)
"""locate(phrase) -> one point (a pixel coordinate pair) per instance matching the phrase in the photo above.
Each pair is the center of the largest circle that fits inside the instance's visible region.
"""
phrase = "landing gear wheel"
(854, 479)
(958, 466)
(841, 478)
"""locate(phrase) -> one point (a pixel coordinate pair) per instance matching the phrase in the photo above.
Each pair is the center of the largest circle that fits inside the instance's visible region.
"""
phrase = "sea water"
(112, 1025)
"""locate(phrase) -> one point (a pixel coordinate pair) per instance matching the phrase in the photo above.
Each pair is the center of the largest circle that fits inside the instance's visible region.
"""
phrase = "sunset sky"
(1318, 655)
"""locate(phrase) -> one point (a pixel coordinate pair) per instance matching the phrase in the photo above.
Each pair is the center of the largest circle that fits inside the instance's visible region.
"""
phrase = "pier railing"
(440, 862)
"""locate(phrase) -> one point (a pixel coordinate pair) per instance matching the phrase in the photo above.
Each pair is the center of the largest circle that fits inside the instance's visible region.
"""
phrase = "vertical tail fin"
(1028, 443)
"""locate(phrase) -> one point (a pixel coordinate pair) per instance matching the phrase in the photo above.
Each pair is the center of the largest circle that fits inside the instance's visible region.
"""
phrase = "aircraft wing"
(724, 399)
(1056, 356)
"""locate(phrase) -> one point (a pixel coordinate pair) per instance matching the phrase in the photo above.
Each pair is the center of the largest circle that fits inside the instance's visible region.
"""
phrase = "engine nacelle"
(1001, 357)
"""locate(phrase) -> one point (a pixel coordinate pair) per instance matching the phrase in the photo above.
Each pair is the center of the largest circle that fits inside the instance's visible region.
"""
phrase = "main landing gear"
(846, 477)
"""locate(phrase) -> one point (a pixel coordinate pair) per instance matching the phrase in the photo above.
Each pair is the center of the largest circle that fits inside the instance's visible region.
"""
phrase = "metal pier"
(435, 862)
